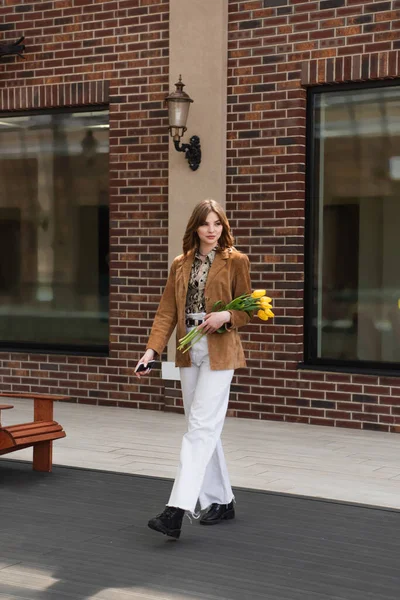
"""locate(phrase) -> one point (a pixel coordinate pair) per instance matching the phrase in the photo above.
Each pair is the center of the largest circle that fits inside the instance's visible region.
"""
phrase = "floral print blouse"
(195, 300)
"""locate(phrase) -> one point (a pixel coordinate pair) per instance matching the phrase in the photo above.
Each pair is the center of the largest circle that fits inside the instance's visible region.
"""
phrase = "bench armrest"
(42, 403)
(43, 409)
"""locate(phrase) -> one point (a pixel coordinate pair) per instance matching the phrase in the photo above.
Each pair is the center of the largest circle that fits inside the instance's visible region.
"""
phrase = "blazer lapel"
(219, 263)
(186, 268)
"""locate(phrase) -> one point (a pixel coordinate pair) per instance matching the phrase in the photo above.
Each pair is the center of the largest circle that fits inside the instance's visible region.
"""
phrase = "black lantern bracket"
(192, 151)
(15, 48)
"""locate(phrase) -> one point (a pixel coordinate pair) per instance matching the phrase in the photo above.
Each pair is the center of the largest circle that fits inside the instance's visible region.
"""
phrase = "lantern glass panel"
(178, 113)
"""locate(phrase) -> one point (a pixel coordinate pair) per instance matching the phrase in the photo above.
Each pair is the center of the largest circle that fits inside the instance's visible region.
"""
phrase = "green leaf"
(214, 308)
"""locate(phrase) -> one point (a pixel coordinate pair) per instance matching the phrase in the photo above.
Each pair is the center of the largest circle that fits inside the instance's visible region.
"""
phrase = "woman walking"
(210, 269)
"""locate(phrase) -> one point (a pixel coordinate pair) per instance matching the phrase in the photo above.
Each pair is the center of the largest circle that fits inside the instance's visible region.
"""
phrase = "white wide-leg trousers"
(202, 472)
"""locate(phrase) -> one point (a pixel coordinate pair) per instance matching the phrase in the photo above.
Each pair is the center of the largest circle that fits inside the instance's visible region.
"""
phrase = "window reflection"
(356, 287)
(54, 229)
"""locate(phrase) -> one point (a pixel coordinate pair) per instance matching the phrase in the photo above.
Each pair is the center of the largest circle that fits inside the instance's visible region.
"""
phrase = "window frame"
(310, 359)
(101, 350)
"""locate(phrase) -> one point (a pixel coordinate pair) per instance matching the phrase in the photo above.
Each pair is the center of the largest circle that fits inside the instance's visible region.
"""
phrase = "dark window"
(54, 278)
(353, 224)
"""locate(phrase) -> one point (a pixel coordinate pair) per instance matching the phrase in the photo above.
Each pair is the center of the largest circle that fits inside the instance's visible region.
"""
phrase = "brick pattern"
(85, 52)
(276, 48)
(358, 67)
(54, 96)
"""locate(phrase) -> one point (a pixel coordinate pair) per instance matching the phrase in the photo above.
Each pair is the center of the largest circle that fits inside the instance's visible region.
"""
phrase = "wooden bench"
(40, 433)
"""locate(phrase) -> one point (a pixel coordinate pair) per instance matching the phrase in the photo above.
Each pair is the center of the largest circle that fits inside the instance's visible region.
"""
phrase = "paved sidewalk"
(83, 535)
(333, 463)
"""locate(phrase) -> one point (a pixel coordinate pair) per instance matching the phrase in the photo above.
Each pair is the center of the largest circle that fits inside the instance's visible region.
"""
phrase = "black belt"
(193, 322)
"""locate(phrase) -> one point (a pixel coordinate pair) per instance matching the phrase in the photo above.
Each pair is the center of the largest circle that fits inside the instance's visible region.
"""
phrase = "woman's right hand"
(147, 356)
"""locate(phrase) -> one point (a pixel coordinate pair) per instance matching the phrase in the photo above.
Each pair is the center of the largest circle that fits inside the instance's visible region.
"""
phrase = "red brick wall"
(71, 47)
(276, 48)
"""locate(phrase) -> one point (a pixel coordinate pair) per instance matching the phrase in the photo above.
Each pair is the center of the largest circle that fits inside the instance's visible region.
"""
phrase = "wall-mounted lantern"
(15, 48)
(178, 109)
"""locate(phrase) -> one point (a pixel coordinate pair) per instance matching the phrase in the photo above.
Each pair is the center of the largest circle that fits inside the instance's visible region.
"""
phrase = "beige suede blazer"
(227, 279)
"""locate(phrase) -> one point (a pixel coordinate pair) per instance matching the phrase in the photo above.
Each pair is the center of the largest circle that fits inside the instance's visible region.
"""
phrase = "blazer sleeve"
(241, 284)
(166, 315)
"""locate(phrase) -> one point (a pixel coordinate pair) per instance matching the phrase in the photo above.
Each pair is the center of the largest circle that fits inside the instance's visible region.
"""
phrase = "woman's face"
(210, 231)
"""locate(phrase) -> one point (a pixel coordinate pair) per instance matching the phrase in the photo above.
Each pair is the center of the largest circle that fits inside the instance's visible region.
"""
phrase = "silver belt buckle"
(193, 322)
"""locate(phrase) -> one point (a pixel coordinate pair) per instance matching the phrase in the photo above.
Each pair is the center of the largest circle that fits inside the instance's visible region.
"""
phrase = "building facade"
(297, 106)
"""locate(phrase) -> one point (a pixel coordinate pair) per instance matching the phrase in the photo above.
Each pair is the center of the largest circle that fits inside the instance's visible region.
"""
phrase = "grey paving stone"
(82, 534)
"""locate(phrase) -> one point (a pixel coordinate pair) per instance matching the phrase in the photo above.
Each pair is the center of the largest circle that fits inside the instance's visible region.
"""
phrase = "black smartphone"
(143, 367)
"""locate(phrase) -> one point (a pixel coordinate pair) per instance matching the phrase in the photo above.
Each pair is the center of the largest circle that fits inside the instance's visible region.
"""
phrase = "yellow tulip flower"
(258, 293)
(264, 303)
(269, 313)
(266, 307)
(261, 314)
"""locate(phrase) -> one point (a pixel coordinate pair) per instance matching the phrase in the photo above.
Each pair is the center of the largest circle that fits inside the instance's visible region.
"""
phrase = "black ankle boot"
(168, 522)
(217, 513)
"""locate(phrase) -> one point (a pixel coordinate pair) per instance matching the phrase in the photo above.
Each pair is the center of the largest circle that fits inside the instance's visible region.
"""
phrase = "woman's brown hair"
(198, 217)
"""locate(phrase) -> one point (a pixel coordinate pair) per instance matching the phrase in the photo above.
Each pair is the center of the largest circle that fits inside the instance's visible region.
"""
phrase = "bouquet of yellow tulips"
(248, 303)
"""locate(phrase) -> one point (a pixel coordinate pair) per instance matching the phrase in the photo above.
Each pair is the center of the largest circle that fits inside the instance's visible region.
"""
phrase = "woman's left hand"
(214, 321)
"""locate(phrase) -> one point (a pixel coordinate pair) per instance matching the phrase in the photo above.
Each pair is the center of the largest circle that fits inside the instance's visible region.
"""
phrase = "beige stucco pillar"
(198, 52)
